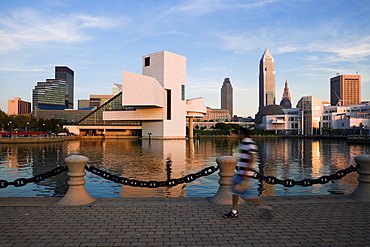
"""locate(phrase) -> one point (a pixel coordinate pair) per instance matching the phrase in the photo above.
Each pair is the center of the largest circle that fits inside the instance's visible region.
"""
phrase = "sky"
(310, 40)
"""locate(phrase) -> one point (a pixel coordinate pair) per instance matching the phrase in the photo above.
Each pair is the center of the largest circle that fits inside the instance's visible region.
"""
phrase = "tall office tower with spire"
(227, 96)
(66, 74)
(285, 101)
(345, 90)
(266, 80)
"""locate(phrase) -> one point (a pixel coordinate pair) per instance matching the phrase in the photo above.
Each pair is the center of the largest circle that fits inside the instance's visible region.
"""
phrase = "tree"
(228, 128)
(220, 126)
(4, 120)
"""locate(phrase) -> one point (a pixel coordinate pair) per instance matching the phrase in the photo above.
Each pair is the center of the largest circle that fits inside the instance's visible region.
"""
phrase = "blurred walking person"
(243, 183)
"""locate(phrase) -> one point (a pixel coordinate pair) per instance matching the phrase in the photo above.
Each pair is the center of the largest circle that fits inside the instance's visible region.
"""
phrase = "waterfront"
(143, 160)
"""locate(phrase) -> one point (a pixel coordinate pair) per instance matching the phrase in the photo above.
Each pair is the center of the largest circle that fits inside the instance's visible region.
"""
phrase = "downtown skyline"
(309, 41)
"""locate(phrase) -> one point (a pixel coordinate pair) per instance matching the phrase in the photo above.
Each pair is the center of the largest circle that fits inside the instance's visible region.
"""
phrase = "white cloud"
(26, 27)
(206, 6)
(287, 49)
(15, 69)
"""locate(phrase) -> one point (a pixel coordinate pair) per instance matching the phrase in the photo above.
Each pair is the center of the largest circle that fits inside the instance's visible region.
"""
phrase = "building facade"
(227, 96)
(67, 115)
(98, 100)
(151, 105)
(286, 123)
(311, 110)
(266, 80)
(217, 115)
(50, 94)
(66, 74)
(347, 118)
(17, 106)
(55, 94)
(116, 88)
(83, 104)
(345, 90)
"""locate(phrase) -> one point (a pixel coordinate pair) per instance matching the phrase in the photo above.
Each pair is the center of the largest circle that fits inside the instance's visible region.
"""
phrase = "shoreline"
(25, 140)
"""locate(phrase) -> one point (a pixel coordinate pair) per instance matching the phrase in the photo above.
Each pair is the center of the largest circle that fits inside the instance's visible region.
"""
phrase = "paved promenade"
(297, 221)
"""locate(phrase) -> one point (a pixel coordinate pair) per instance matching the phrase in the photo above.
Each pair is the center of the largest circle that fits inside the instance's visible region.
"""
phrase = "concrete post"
(76, 194)
(362, 192)
(227, 166)
(191, 127)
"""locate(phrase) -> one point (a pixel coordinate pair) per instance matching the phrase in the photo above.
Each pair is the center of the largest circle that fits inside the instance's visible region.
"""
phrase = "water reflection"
(308, 159)
(143, 160)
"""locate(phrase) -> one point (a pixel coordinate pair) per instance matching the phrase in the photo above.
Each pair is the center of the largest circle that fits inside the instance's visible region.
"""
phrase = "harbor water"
(146, 160)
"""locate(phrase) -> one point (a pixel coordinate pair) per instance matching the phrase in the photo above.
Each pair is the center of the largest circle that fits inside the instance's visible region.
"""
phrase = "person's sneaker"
(231, 215)
(266, 208)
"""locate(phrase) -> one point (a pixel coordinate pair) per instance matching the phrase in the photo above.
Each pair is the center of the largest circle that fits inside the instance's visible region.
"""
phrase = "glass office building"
(50, 92)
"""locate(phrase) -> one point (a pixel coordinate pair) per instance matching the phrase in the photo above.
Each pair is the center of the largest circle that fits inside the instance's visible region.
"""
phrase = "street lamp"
(9, 128)
(149, 134)
(27, 128)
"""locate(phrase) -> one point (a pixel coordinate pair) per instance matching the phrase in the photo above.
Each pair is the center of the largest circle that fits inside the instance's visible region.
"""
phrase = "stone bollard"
(362, 192)
(227, 166)
(76, 193)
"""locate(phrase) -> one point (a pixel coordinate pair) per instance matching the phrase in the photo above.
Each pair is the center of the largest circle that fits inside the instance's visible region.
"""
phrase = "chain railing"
(151, 184)
(305, 182)
(38, 178)
(173, 182)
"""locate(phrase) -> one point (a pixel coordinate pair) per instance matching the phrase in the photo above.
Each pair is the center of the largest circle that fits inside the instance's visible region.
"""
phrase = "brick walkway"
(296, 221)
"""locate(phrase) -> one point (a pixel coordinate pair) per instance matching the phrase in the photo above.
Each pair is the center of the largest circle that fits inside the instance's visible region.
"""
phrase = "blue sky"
(310, 40)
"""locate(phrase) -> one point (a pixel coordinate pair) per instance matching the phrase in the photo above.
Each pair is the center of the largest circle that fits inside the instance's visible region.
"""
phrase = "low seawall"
(49, 139)
(21, 140)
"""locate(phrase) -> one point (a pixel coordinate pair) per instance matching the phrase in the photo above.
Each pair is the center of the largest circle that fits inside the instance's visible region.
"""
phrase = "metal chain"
(38, 178)
(152, 184)
(306, 182)
(173, 182)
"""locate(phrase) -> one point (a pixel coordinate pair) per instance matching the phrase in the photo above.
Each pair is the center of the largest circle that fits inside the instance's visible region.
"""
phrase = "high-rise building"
(55, 94)
(227, 96)
(17, 106)
(345, 90)
(266, 80)
(65, 73)
(311, 110)
(285, 101)
(50, 94)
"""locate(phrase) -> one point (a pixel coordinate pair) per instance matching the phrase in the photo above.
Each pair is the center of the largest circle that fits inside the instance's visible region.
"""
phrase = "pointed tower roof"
(286, 93)
(267, 54)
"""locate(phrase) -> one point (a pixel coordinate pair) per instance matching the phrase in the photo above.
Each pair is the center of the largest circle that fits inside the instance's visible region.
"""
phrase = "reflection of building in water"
(289, 159)
(317, 164)
(145, 160)
(11, 157)
(29, 160)
(73, 147)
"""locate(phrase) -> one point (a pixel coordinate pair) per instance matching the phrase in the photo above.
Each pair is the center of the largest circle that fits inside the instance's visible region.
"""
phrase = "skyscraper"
(266, 80)
(55, 94)
(345, 90)
(50, 95)
(65, 73)
(227, 96)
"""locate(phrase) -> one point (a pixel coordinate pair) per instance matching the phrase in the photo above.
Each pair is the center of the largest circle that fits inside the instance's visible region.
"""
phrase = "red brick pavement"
(296, 221)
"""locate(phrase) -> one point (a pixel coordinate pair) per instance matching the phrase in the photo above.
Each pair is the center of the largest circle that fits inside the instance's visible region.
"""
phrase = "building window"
(182, 92)
(147, 61)
(168, 104)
